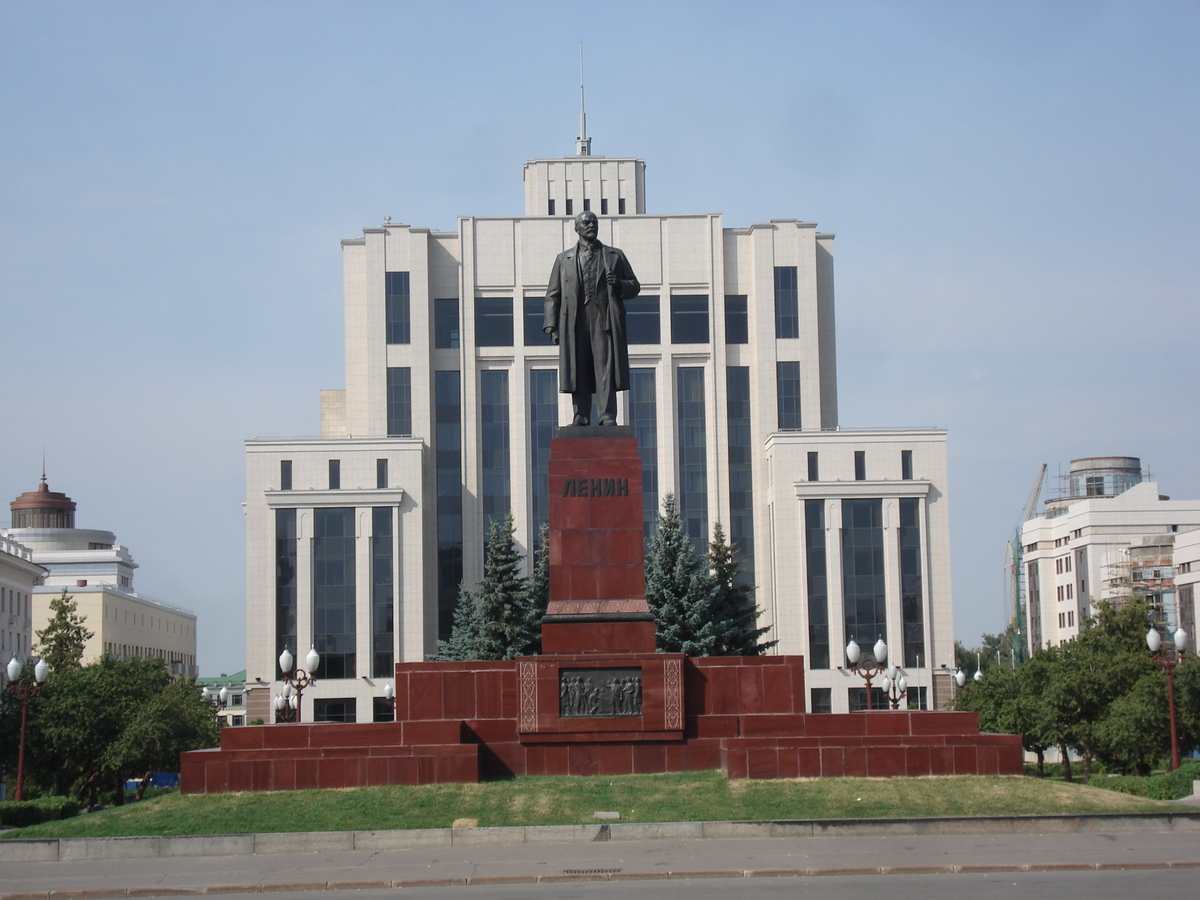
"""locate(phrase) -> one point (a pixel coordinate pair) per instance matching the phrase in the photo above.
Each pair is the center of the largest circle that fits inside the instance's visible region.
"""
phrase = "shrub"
(1167, 786)
(31, 812)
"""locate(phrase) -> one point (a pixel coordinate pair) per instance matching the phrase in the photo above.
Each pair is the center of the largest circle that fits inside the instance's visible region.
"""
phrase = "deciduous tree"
(62, 641)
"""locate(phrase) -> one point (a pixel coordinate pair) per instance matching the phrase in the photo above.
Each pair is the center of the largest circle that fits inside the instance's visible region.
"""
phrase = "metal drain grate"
(590, 871)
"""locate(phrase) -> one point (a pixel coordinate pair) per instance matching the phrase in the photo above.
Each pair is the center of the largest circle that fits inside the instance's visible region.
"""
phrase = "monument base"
(583, 635)
(459, 721)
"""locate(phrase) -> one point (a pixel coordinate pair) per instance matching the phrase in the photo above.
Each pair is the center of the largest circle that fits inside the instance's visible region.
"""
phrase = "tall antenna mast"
(583, 144)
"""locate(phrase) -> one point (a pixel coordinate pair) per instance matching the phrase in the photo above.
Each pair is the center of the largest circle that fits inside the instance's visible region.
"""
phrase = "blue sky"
(1013, 187)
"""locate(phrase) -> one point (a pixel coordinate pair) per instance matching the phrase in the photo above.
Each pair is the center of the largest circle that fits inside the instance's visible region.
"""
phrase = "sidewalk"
(598, 853)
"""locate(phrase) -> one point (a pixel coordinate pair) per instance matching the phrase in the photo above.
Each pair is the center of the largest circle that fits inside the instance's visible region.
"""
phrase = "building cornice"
(330, 499)
(836, 490)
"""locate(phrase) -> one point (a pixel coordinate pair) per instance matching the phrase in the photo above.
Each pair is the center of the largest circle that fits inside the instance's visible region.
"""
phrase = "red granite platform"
(456, 721)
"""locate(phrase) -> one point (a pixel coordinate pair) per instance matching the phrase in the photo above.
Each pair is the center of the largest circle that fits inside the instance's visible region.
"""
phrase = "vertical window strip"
(863, 598)
(787, 393)
(787, 303)
(285, 582)
(399, 401)
(448, 455)
(494, 442)
(817, 584)
(382, 594)
(643, 417)
(445, 324)
(912, 600)
(543, 418)
(334, 598)
(693, 454)
(737, 319)
(396, 308)
(741, 470)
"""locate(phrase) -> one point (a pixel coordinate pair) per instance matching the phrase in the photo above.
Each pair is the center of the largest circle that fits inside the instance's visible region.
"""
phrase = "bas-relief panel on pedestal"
(599, 692)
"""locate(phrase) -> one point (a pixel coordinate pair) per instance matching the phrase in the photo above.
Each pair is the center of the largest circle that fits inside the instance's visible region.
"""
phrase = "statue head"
(587, 225)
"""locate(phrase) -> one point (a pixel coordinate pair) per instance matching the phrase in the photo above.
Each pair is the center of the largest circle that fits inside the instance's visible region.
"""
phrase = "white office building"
(1110, 537)
(357, 540)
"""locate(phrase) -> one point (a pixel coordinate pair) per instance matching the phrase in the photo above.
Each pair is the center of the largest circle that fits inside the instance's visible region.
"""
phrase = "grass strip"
(567, 800)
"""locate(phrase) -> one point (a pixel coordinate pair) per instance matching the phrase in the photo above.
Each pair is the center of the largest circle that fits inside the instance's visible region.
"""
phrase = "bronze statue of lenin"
(585, 316)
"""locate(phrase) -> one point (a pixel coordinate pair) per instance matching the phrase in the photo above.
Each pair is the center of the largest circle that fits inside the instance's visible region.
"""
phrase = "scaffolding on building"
(1144, 570)
(1015, 563)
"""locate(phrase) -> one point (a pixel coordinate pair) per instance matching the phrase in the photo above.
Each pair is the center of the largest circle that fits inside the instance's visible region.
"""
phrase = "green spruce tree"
(62, 641)
(503, 598)
(464, 642)
(538, 591)
(679, 590)
(735, 613)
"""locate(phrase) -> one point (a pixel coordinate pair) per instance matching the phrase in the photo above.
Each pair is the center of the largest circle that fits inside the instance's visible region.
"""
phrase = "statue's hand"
(612, 279)
(553, 332)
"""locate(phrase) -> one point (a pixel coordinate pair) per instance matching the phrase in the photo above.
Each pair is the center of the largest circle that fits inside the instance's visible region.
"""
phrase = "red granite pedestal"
(597, 578)
(599, 700)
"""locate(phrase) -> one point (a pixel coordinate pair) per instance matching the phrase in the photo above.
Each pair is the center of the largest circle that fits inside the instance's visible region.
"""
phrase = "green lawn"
(682, 797)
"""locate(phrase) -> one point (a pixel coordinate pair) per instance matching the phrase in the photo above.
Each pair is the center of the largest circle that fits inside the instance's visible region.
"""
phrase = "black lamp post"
(26, 689)
(1168, 657)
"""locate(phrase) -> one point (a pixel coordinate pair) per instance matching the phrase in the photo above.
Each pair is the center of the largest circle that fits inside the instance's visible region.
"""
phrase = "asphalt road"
(1121, 885)
(1131, 864)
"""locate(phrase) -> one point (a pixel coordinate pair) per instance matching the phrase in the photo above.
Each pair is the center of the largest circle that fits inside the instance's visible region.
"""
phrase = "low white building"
(357, 541)
(97, 573)
(1186, 560)
(19, 577)
(1111, 537)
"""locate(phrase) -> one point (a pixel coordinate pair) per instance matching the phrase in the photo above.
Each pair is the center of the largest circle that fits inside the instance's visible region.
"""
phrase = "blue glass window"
(535, 315)
(494, 321)
(689, 319)
(641, 320)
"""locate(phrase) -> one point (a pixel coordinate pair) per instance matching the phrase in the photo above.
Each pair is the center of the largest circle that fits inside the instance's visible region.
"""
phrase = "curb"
(481, 881)
(163, 847)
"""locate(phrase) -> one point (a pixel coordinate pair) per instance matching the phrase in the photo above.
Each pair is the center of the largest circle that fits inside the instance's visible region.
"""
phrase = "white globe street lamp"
(295, 680)
(25, 689)
(1168, 657)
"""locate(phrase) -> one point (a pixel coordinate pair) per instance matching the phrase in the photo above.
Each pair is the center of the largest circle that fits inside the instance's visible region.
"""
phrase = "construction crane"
(1015, 561)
